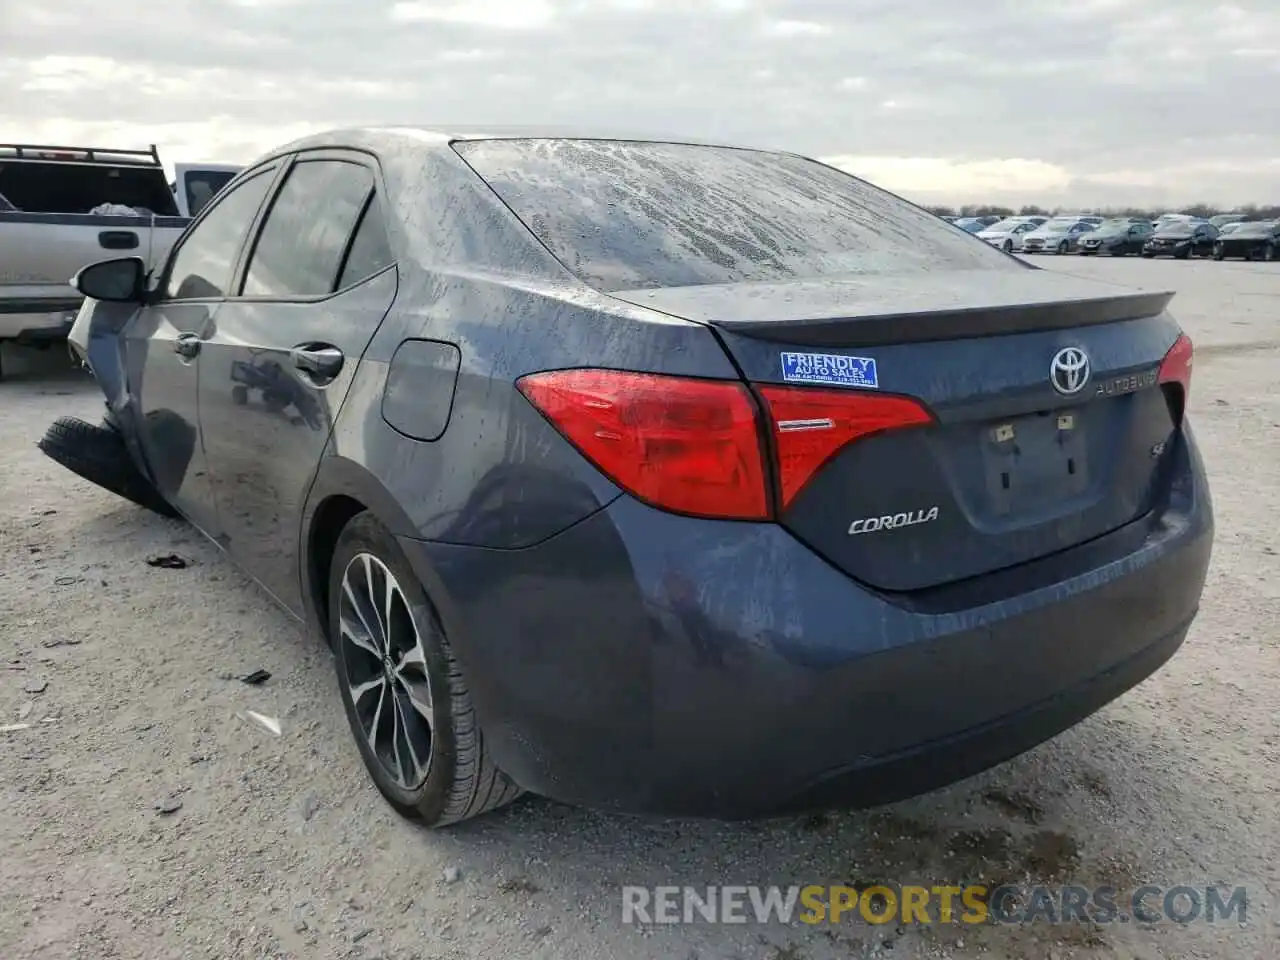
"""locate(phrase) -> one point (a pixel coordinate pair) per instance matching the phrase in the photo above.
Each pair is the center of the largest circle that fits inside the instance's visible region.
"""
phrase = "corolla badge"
(1069, 371)
(893, 521)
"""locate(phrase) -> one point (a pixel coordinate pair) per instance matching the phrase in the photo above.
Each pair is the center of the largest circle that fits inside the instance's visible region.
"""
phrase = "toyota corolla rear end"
(949, 506)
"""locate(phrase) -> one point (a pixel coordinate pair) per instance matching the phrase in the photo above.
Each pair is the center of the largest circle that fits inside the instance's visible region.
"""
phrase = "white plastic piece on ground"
(270, 724)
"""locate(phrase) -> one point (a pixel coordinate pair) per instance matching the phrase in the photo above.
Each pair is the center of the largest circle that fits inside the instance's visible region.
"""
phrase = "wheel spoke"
(397, 736)
(415, 741)
(371, 592)
(389, 592)
(413, 657)
(358, 607)
(376, 721)
(360, 690)
(359, 637)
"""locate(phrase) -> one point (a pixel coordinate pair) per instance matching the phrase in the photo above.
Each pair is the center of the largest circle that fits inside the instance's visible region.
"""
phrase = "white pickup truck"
(62, 208)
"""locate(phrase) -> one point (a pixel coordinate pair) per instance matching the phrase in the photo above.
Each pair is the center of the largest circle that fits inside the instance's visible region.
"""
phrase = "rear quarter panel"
(500, 475)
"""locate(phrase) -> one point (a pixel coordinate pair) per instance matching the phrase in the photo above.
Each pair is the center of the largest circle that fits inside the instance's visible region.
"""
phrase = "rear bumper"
(36, 327)
(651, 663)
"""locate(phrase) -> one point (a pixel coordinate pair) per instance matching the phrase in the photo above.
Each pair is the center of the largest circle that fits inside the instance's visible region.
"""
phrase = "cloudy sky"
(1076, 102)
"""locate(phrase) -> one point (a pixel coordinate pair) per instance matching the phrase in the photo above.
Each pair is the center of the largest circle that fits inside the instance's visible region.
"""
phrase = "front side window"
(302, 242)
(202, 266)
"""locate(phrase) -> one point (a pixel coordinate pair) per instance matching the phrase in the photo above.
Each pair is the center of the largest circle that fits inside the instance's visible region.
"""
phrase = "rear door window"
(305, 236)
(370, 249)
(631, 215)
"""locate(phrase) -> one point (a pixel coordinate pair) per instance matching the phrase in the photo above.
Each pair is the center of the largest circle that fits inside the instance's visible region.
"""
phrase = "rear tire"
(426, 754)
(1270, 254)
(98, 454)
(239, 394)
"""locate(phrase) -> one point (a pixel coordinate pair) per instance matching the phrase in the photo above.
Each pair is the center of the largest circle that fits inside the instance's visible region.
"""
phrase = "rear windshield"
(53, 186)
(631, 215)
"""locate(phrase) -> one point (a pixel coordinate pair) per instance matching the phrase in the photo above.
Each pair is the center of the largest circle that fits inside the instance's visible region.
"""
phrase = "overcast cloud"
(1081, 102)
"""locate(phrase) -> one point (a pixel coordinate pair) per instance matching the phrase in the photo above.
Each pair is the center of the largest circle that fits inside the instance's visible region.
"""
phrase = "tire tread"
(98, 454)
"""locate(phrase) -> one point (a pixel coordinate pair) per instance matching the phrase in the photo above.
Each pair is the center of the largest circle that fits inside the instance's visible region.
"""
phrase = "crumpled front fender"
(97, 339)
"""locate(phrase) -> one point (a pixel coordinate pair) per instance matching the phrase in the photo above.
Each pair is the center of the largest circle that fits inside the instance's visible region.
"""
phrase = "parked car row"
(1173, 235)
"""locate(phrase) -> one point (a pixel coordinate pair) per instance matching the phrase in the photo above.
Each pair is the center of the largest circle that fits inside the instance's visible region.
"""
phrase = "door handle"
(187, 345)
(118, 240)
(321, 360)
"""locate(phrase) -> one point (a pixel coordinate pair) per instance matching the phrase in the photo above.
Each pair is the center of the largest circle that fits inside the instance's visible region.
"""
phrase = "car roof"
(394, 138)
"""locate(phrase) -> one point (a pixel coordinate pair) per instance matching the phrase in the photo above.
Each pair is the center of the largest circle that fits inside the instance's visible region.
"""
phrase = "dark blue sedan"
(656, 476)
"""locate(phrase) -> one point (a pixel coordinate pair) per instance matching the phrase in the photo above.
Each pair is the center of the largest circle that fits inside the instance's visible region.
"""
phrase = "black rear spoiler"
(949, 323)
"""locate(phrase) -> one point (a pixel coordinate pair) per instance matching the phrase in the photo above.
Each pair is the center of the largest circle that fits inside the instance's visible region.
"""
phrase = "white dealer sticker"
(830, 368)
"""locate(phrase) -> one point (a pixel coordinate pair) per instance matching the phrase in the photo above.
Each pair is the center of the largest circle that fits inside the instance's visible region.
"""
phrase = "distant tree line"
(1206, 210)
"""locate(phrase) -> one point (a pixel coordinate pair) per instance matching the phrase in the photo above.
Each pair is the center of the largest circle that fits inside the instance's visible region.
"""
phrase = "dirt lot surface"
(143, 816)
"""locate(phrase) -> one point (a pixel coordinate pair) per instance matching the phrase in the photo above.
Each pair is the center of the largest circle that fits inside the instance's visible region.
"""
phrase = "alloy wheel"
(386, 670)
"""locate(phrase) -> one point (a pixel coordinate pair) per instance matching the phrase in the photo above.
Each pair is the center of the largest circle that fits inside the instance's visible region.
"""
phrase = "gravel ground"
(278, 846)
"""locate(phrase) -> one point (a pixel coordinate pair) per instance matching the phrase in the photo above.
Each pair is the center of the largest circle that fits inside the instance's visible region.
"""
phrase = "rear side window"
(302, 242)
(370, 249)
(202, 266)
(631, 215)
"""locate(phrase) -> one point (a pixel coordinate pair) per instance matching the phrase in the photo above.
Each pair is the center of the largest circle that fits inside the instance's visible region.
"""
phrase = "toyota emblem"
(1069, 371)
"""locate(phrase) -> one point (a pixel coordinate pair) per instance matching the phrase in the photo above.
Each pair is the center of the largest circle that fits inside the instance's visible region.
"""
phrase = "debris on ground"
(309, 806)
(35, 686)
(68, 581)
(167, 561)
(14, 727)
(169, 805)
(255, 678)
(60, 641)
(452, 874)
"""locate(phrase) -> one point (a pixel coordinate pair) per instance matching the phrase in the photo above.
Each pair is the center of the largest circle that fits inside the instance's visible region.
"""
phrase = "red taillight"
(811, 426)
(1176, 365)
(689, 446)
(694, 446)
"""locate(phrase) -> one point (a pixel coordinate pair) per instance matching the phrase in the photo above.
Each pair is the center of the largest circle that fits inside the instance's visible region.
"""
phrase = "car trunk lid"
(1009, 467)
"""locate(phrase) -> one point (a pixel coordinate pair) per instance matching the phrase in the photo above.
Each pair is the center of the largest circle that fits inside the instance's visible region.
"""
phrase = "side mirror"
(113, 281)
